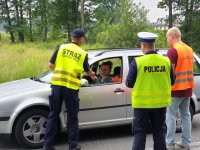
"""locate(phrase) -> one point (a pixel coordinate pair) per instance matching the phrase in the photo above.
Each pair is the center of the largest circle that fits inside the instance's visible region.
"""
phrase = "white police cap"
(147, 37)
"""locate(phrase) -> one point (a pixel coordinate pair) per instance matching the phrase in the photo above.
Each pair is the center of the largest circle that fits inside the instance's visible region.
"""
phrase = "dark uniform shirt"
(132, 75)
(173, 56)
(86, 65)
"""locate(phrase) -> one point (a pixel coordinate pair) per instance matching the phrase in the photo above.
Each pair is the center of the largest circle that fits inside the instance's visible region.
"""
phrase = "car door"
(103, 104)
(129, 59)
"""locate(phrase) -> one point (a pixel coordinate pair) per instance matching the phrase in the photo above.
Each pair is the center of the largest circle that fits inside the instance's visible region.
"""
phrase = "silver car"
(24, 104)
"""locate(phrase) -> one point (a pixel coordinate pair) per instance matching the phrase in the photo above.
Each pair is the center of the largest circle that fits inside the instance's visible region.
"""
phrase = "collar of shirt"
(151, 52)
(74, 43)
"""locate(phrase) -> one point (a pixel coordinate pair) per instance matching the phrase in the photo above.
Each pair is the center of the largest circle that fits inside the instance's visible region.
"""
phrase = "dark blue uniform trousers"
(70, 97)
(142, 120)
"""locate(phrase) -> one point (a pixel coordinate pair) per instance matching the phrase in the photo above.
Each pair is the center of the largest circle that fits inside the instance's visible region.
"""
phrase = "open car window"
(108, 71)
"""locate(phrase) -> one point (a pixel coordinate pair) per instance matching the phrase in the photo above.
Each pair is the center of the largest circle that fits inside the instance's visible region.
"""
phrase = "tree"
(5, 15)
(65, 15)
(42, 16)
(131, 20)
(29, 10)
(13, 13)
(21, 22)
(101, 10)
(186, 15)
(17, 8)
(105, 21)
(82, 13)
(99, 14)
(170, 13)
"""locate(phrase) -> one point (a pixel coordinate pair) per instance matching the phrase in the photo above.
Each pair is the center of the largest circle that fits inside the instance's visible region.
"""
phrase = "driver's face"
(105, 70)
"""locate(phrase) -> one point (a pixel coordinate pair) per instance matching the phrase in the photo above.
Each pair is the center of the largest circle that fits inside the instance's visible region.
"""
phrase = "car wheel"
(30, 128)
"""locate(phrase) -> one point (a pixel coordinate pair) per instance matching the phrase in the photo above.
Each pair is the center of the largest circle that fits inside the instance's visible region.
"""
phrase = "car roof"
(106, 51)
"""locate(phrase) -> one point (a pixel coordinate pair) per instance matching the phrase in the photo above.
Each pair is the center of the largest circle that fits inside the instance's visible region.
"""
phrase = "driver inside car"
(104, 73)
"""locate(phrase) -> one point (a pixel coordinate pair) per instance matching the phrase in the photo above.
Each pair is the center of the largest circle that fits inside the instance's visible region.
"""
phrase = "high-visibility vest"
(152, 88)
(184, 67)
(69, 66)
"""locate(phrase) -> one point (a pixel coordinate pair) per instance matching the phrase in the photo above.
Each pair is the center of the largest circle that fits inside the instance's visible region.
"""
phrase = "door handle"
(118, 90)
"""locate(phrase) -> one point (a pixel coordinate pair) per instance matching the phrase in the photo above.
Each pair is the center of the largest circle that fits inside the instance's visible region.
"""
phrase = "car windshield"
(44, 78)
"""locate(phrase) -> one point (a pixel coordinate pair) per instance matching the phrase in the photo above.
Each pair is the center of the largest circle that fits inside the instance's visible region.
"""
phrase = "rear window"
(130, 59)
(196, 67)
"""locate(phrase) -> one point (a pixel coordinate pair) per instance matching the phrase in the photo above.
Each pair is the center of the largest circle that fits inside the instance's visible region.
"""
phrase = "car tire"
(30, 128)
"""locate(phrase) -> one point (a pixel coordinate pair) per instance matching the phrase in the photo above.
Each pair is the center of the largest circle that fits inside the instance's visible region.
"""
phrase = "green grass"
(26, 60)
(22, 61)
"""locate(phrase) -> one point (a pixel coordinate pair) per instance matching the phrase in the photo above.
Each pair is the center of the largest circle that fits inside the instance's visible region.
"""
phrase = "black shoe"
(49, 148)
(78, 147)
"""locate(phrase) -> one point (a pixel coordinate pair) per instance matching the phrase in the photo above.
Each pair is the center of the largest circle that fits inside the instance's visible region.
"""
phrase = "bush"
(123, 33)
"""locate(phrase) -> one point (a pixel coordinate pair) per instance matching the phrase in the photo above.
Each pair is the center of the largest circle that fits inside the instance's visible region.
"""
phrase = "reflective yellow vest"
(152, 88)
(69, 66)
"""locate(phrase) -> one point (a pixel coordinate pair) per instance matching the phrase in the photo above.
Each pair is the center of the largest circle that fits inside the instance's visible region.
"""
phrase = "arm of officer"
(173, 56)
(132, 75)
(51, 64)
(172, 75)
(87, 69)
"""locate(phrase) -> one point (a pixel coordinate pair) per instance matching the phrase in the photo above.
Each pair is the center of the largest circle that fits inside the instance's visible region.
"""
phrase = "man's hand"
(92, 75)
(51, 66)
(94, 78)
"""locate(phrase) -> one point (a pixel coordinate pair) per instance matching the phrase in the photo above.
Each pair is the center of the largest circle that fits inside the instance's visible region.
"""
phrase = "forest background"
(34, 28)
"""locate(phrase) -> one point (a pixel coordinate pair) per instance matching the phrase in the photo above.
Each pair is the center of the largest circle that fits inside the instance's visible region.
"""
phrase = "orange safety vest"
(116, 79)
(184, 67)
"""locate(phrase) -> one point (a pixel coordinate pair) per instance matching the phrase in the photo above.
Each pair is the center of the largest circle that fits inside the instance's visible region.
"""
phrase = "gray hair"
(174, 31)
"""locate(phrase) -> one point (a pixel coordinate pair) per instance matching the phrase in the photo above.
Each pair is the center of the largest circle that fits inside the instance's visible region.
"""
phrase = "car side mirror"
(84, 83)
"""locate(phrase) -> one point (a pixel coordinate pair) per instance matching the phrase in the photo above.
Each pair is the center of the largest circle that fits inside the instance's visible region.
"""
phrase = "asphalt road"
(112, 138)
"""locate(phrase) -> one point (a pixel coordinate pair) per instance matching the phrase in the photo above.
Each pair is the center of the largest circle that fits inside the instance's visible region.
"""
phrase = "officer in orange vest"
(181, 57)
(68, 63)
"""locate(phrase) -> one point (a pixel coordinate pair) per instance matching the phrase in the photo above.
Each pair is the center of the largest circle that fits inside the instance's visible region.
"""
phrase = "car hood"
(20, 87)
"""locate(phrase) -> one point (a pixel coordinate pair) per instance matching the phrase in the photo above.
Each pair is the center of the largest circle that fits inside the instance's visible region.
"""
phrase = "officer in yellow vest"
(151, 77)
(68, 63)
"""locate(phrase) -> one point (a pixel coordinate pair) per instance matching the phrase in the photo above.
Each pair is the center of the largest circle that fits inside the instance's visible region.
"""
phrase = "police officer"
(151, 77)
(68, 63)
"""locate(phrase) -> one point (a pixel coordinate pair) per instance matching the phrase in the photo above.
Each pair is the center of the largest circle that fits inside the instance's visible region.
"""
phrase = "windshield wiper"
(37, 79)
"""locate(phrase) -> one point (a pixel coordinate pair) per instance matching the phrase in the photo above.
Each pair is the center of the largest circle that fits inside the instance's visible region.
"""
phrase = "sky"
(154, 12)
